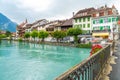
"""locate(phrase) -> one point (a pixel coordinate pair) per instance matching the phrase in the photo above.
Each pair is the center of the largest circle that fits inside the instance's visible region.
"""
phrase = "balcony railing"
(90, 68)
(100, 31)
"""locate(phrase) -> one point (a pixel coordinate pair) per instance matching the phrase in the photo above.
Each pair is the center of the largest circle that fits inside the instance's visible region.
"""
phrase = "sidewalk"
(115, 73)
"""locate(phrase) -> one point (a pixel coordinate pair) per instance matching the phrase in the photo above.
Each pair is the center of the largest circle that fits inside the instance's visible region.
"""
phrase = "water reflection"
(21, 61)
(47, 52)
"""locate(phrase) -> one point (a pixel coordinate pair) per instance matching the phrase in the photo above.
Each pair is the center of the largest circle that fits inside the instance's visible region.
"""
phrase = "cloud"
(19, 10)
(35, 5)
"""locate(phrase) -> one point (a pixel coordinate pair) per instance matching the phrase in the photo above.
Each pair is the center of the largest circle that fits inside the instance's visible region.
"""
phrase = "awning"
(100, 34)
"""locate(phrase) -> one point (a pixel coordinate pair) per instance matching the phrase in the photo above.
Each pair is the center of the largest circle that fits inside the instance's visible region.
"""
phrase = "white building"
(105, 22)
(82, 19)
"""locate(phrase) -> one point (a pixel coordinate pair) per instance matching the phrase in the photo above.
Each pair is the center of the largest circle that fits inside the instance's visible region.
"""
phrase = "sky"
(33, 10)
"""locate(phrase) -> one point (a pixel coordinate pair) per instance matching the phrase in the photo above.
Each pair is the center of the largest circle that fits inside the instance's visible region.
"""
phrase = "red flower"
(95, 48)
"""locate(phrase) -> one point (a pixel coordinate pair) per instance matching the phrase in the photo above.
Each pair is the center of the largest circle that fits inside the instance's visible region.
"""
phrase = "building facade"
(105, 22)
(82, 19)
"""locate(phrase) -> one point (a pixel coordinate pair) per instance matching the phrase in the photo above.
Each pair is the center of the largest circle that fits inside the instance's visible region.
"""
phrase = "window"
(75, 20)
(88, 25)
(83, 25)
(101, 14)
(109, 19)
(83, 19)
(94, 15)
(110, 12)
(101, 28)
(113, 19)
(80, 25)
(88, 18)
(117, 19)
(101, 20)
(80, 20)
(105, 20)
(93, 21)
(77, 26)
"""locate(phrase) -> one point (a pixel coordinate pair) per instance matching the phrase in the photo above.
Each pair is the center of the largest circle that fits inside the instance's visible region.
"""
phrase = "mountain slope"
(7, 24)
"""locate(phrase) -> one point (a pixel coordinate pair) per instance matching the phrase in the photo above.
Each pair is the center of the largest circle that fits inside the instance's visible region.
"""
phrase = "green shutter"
(83, 25)
(88, 18)
(80, 25)
(117, 19)
(80, 20)
(108, 27)
(83, 19)
(109, 19)
(101, 21)
(113, 19)
(75, 20)
(88, 25)
(101, 28)
(93, 21)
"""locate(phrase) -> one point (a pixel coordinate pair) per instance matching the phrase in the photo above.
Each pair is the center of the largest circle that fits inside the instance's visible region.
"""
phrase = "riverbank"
(58, 43)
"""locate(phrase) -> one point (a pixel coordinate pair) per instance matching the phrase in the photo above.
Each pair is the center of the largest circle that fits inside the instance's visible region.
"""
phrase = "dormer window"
(101, 14)
(110, 12)
(94, 15)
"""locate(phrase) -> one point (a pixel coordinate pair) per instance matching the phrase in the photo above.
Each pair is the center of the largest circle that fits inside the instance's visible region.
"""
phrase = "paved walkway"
(115, 73)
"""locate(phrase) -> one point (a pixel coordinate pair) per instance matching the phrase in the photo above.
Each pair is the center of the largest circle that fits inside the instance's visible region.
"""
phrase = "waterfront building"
(53, 25)
(82, 19)
(105, 22)
(66, 25)
(20, 30)
(37, 25)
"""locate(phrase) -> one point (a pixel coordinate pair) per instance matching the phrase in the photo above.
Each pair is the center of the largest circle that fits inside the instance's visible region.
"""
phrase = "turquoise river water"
(27, 61)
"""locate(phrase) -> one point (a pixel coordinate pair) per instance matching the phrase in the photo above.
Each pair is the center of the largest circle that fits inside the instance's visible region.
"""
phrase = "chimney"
(73, 13)
(105, 6)
(26, 21)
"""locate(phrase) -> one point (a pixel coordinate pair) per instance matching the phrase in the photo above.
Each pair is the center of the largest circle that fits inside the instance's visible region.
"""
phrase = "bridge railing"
(90, 68)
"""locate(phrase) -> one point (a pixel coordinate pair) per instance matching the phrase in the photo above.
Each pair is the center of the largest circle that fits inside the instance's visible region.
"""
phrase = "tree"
(74, 32)
(8, 33)
(43, 34)
(58, 35)
(34, 34)
(27, 35)
(2, 36)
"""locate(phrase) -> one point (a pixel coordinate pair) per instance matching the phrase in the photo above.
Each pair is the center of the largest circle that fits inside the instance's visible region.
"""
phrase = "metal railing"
(90, 68)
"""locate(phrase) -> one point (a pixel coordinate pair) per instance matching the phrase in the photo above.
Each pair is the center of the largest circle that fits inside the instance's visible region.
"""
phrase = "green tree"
(34, 34)
(27, 35)
(8, 33)
(58, 35)
(43, 34)
(74, 32)
(2, 36)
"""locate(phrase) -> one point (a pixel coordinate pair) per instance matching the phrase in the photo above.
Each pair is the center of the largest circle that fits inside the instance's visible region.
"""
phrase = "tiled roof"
(84, 12)
(68, 22)
(38, 21)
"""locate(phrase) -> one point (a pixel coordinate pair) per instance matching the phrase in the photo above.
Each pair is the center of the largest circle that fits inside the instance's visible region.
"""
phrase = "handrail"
(90, 68)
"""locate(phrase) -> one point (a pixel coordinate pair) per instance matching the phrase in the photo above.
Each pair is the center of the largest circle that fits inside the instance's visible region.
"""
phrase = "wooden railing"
(90, 68)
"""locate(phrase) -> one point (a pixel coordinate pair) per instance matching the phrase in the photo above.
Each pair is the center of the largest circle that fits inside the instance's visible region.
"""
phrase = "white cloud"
(35, 5)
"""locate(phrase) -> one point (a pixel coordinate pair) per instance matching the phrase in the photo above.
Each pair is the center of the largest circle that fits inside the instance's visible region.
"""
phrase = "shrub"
(20, 40)
(84, 45)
